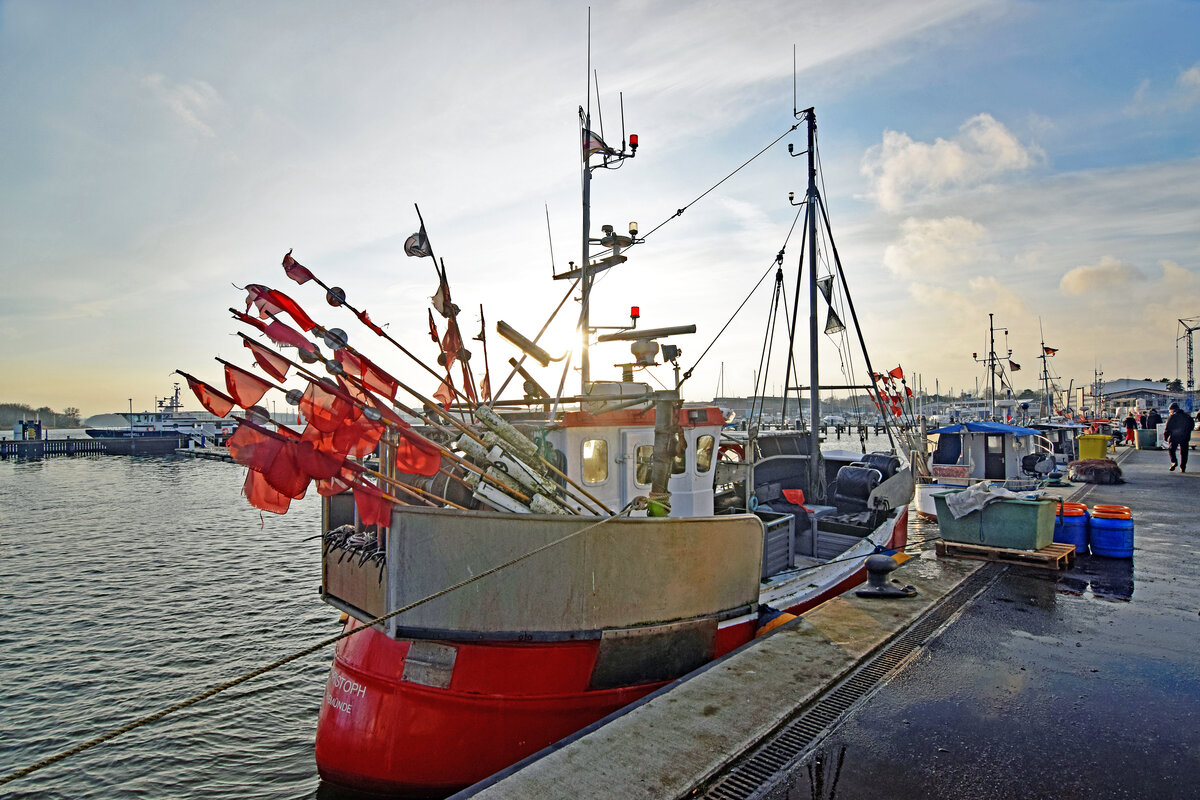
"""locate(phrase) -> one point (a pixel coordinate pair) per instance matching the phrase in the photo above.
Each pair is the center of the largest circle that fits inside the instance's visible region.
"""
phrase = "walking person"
(1142, 419)
(1178, 434)
(1153, 419)
(1131, 429)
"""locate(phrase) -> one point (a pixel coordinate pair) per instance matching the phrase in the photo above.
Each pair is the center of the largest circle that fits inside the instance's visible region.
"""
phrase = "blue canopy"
(987, 427)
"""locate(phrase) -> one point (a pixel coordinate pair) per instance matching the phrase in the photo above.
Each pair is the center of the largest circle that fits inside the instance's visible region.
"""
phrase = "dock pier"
(125, 446)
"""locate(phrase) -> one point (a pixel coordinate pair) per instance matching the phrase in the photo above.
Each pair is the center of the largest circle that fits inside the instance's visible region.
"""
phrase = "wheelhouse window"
(645, 461)
(595, 461)
(704, 453)
(679, 465)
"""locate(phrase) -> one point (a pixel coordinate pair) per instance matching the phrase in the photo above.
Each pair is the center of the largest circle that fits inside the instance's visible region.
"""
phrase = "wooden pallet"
(1055, 556)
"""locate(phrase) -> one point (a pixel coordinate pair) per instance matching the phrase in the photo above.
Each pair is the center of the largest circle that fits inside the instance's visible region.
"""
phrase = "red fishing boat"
(670, 541)
(513, 570)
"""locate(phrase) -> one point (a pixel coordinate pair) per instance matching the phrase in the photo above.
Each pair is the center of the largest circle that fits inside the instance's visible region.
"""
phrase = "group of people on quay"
(1177, 432)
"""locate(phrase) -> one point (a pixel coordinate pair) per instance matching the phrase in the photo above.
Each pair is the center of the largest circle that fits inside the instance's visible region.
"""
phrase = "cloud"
(901, 169)
(1110, 273)
(189, 101)
(1181, 97)
(931, 247)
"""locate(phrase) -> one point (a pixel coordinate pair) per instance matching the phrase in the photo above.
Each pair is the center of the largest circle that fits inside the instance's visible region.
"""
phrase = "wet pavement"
(1075, 684)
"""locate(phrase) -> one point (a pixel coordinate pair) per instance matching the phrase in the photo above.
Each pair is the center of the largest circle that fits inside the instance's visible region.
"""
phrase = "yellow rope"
(137, 723)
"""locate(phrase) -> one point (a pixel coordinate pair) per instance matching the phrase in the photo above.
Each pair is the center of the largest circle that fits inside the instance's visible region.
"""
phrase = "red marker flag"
(215, 401)
(897, 373)
(373, 507)
(1049, 350)
(270, 362)
(361, 367)
(295, 270)
(365, 319)
(272, 302)
(417, 455)
(324, 407)
(262, 496)
(245, 388)
(279, 332)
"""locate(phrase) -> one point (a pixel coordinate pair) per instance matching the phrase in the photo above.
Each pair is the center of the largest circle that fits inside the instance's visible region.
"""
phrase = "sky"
(1037, 161)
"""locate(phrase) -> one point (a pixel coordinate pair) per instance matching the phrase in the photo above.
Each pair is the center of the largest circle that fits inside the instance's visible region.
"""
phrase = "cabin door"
(993, 457)
(637, 454)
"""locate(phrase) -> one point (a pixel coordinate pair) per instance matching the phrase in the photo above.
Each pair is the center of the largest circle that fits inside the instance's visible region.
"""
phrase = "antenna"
(621, 98)
(599, 108)
(550, 237)
(793, 80)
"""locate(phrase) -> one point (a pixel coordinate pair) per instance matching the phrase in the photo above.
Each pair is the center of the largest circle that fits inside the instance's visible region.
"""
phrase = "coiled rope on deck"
(191, 701)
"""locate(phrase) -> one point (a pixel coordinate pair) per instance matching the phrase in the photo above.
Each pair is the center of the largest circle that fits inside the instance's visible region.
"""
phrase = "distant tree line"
(11, 413)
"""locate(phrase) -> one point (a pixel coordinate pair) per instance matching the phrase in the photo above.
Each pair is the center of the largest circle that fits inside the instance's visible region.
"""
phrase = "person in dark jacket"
(1178, 434)
(1142, 420)
(1153, 419)
(1131, 429)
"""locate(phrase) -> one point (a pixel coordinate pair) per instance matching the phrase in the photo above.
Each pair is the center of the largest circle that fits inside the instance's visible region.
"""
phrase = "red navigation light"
(635, 312)
(974, 355)
(633, 141)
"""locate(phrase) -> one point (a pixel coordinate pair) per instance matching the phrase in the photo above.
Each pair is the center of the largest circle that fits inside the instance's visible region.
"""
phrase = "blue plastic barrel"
(1072, 529)
(1111, 538)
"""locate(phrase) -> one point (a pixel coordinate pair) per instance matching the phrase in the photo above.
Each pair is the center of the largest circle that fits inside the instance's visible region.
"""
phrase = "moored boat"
(168, 419)
(516, 570)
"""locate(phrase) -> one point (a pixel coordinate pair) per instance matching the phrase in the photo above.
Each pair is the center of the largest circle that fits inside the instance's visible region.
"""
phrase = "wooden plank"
(1054, 556)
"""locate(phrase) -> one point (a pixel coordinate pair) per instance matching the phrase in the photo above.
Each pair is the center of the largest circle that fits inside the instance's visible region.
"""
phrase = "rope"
(191, 701)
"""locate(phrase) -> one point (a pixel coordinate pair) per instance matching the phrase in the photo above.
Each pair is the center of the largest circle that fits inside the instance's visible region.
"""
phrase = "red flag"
(485, 388)
(324, 407)
(417, 455)
(468, 390)
(260, 494)
(451, 344)
(910, 391)
(288, 336)
(245, 388)
(373, 507)
(249, 320)
(338, 483)
(269, 362)
(271, 302)
(444, 395)
(1049, 350)
(365, 319)
(433, 332)
(357, 438)
(253, 446)
(897, 373)
(295, 270)
(361, 367)
(215, 401)
(317, 463)
(285, 475)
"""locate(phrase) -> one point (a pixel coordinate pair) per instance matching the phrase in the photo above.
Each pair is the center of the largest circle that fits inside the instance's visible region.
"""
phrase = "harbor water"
(128, 584)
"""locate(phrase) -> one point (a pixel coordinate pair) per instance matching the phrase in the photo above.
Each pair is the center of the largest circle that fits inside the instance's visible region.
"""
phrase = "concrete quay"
(994, 681)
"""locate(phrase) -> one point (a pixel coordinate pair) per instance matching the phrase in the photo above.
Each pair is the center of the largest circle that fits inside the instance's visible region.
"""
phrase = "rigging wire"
(679, 212)
(777, 260)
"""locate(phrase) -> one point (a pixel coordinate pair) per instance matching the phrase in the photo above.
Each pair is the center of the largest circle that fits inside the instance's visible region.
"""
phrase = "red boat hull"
(382, 728)
(378, 731)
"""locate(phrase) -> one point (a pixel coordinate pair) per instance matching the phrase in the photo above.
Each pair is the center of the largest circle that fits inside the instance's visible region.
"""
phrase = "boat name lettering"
(340, 705)
(347, 685)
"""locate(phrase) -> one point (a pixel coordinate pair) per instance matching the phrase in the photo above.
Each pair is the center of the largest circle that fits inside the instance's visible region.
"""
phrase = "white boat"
(168, 419)
(1012, 456)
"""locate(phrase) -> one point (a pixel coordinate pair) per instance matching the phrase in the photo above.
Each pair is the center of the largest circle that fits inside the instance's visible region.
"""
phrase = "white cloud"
(901, 169)
(1110, 273)
(189, 101)
(936, 247)
(1181, 97)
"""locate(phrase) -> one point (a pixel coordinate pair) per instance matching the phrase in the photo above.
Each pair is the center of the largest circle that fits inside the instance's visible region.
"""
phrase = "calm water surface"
(128, 584)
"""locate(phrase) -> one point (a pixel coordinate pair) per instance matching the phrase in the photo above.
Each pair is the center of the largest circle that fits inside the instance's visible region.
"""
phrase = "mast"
(814, 379)
(585, 281)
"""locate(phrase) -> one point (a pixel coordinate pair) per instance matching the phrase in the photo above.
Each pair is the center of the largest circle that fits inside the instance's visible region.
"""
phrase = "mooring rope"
(191, 701)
